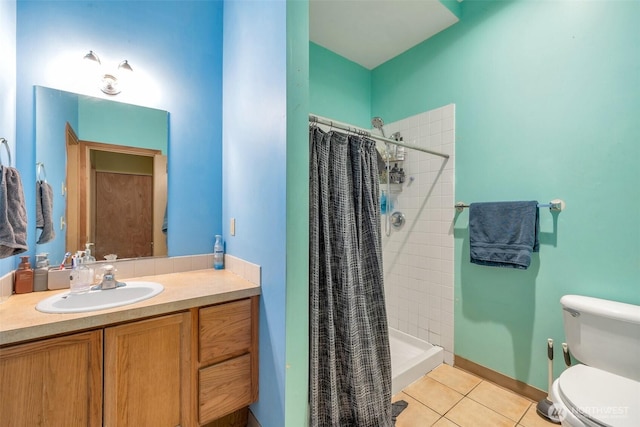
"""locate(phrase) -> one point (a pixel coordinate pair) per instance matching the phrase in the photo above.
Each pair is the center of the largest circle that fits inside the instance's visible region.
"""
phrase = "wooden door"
(159, 204)
(148, 381)
(124, 215)
(53, 382)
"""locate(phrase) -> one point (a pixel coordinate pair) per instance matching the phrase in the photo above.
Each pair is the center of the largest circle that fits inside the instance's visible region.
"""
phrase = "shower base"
(411, 358)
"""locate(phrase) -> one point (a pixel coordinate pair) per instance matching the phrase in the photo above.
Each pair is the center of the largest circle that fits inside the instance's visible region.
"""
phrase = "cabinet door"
(53, 382)
(147, 365)
(225, 331)
(225, 387)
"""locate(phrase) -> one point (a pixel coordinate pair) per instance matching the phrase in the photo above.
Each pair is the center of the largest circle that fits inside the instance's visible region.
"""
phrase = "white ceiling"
(370, 32)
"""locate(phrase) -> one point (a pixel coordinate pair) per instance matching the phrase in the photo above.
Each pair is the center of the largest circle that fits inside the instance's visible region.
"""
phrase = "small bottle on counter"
(23, 277)
(41, 273)
(218, 253)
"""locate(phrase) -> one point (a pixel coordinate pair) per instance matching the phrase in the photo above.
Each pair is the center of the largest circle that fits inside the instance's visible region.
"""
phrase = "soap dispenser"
(88, 258)
(89, 261)
(41, 273)
(23, 277)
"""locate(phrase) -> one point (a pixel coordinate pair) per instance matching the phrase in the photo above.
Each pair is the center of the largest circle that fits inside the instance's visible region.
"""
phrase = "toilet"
(603, 389)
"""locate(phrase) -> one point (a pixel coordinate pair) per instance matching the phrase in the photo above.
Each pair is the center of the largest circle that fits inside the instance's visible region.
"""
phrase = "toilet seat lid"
(604, 398)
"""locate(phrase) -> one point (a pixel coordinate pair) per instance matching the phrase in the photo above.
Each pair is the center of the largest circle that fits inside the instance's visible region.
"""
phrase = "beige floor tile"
(532, 419)
(433, 394)
(469, 413)
(457, 379)
(415, 414)
(443, 422)
(500, 400)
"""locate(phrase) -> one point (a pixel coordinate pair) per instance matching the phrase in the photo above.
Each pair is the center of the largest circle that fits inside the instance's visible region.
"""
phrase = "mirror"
(105, 168)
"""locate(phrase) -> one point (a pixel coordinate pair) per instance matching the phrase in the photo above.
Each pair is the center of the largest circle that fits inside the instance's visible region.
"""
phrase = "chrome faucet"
(108, 280)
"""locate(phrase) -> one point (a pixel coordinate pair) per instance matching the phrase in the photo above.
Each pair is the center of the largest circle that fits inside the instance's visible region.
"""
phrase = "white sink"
(100, 300)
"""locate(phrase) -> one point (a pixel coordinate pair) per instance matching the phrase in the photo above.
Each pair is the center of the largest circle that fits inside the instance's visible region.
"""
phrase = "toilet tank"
(603, 334)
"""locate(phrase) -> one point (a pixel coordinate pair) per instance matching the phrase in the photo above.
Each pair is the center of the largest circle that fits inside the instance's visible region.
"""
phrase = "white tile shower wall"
(418, 258)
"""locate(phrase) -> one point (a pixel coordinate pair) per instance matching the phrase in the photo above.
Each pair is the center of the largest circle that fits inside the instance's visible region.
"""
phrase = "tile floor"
(450, 397)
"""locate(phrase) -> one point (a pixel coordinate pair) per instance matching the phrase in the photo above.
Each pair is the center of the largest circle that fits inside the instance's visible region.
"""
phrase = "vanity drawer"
(225, 331)
(224, 388)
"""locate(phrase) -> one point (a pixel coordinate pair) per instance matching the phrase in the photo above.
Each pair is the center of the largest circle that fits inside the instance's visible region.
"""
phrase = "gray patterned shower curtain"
(350, 365)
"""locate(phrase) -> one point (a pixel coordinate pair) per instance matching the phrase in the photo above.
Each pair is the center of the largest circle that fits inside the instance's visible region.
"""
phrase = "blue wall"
(8, 94)
(547, 101)
(53, 110)
(175, 49)
(254, 170)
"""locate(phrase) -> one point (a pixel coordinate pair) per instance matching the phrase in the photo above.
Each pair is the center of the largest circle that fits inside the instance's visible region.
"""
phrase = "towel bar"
(556, 205)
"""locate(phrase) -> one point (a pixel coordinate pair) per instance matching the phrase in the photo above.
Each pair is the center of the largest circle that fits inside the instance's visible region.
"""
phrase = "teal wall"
(122, 124)
(547, 101)
(339, 89)
(297, 294)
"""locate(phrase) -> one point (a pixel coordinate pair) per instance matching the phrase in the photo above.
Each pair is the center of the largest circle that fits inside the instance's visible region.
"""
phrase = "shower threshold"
(411, 358)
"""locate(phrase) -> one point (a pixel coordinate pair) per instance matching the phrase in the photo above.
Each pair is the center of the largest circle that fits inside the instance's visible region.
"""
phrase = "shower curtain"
(350, 364)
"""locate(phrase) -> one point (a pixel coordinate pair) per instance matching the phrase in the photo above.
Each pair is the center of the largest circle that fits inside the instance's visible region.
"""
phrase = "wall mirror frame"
(106, 163)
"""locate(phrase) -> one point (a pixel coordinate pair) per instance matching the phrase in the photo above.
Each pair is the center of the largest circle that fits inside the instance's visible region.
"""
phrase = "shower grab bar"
(360, 131)
(556, 205)
(6, 145)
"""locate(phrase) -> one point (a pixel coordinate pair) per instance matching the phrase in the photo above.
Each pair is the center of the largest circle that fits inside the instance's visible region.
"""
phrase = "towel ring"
(41, 173)
(6, 145)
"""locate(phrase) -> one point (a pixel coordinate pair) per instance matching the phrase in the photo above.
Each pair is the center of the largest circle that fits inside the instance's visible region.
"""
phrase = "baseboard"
(253, 422)
(502, 380)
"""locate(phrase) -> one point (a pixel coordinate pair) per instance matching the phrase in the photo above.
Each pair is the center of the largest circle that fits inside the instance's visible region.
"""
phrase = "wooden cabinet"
(148, 373)
(184, 369)
(52, 382)
(227, 358)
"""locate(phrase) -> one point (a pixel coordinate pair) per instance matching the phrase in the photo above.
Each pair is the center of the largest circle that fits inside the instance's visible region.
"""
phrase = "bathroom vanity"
(186, 357)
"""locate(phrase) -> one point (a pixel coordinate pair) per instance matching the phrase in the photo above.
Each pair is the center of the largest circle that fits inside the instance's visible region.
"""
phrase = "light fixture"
(109, 83)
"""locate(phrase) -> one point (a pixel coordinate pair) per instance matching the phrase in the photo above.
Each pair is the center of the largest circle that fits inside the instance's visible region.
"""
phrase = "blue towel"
(503, 234)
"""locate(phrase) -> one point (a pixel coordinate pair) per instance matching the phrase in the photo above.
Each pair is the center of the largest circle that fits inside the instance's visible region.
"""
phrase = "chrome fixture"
(109, 83)
(397, 220)
(108, 280)
(377, 123)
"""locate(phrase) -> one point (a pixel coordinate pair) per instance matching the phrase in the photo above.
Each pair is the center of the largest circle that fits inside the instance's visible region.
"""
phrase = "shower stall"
(416, 191)
(418, 254)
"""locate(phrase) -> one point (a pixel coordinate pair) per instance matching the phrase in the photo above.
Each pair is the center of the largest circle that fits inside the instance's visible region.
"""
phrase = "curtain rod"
(360, 131)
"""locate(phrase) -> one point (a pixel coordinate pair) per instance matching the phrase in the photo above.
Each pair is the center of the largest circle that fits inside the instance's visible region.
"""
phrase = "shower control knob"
(397, 220)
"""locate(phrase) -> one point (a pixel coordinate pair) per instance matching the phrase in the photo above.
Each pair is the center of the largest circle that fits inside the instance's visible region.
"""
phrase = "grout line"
(500, 413)
(525, 413)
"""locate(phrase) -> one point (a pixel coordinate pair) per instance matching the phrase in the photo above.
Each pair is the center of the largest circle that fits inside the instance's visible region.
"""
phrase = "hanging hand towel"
(503, 234)
(13, 213)
(44, 212)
